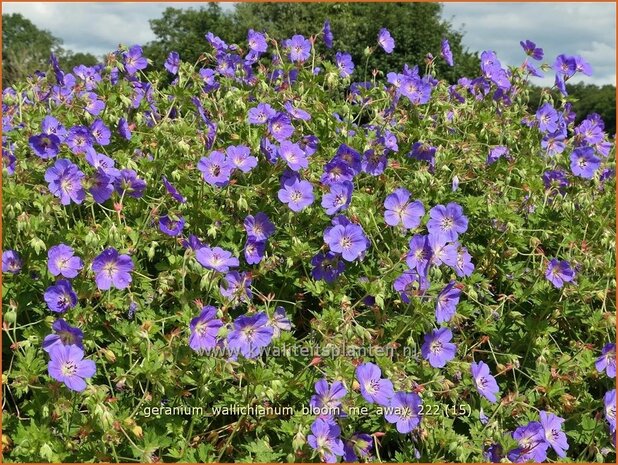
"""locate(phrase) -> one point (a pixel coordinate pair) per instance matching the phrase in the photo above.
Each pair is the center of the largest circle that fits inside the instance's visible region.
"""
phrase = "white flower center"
(436, 347)
(68, 368)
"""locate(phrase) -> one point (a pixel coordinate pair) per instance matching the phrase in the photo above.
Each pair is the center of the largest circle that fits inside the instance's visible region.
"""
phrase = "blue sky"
(587, 29)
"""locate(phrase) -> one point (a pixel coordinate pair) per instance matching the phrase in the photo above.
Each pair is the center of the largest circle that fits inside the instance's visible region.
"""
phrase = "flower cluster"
(248, 335)
(535, 438)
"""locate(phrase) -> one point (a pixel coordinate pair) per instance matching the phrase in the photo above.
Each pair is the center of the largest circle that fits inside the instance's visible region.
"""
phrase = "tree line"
(26, 49)
(418, 28)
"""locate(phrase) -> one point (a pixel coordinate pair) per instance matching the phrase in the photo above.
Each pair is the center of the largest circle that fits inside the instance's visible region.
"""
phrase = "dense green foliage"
(540, 341)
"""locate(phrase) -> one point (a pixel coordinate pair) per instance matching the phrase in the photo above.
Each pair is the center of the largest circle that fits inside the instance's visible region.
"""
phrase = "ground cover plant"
(280, 255)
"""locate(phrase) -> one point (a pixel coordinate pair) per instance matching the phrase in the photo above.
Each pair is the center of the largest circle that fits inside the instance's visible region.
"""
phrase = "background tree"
(26, 49)
(417, 28)
(69, 59)
(588, 98)
(183, 31)
(595, 99)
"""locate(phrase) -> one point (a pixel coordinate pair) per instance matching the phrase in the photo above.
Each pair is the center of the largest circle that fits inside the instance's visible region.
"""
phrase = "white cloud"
(96, 28)
(587, 29)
